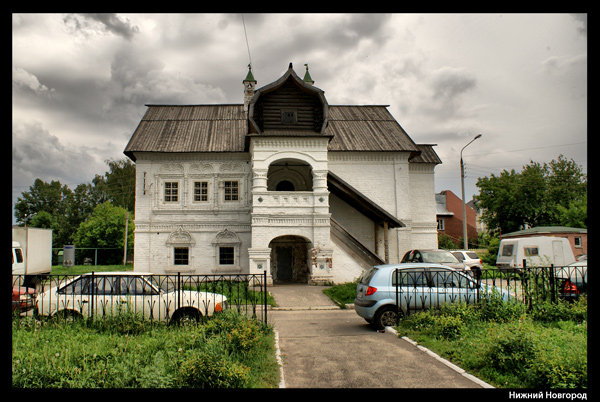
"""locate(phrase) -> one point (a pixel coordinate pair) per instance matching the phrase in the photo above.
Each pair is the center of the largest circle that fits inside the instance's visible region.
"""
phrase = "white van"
(541, 251)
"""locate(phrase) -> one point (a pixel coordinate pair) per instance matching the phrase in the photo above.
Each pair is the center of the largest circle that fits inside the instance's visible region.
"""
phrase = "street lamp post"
(462, 186)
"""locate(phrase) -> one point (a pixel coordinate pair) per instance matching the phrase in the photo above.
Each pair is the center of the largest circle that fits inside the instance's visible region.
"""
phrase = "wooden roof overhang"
(359, 201)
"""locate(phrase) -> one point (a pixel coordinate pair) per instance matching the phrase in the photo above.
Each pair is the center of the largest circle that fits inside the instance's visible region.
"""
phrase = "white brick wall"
(386, 178)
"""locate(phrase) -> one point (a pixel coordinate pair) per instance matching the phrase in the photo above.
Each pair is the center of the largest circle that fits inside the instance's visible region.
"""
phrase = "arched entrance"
(290, 259)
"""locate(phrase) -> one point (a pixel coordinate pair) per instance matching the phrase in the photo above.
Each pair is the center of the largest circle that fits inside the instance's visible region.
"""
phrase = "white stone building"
(309, 192)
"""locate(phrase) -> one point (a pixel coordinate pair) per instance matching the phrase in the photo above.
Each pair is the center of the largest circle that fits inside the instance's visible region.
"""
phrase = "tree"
(118, 184)
(554, 193)
(41, 196)
(46, 205)
(55, 206)
(105, 228)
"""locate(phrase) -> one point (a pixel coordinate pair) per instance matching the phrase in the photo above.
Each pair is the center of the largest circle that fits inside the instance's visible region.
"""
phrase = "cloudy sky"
(80, 81)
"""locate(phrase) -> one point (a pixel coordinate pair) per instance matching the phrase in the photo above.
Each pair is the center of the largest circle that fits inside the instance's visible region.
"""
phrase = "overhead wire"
(246, 36)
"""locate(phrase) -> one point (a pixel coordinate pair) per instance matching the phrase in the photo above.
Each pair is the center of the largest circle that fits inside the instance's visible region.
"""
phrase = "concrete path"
(323, 346)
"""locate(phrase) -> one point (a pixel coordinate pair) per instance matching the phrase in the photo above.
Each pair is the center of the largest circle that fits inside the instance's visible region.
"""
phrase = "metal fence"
(170, 298)
(93, 256)
(418, 290)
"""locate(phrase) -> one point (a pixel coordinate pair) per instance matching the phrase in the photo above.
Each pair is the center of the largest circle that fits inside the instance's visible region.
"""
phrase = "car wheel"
(68, 316)
(186, 316)
(387, 316)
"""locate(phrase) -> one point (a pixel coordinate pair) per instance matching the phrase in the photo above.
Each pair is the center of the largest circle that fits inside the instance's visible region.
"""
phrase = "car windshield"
(163, 283)
(438, 257)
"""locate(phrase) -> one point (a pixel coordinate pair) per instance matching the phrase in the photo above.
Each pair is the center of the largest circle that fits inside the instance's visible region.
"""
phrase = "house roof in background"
(545, 230)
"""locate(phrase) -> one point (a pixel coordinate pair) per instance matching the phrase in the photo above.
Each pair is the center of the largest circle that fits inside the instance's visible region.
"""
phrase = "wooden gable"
(288, 106)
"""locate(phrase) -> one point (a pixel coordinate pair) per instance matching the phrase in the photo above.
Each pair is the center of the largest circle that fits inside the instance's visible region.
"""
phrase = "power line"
(246, 36)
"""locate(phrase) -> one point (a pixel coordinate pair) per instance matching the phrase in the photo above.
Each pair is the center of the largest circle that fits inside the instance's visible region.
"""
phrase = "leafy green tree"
(118, 184)
(43, 220)
(105, 228)
(41, 196)
(47, 205)
(554, 193)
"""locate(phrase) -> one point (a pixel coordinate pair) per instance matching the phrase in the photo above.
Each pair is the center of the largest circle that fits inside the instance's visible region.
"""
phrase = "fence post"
(265, 294)
(397, 274)
(525, 285)
(552, 285)
(94, 291)
(178, 290)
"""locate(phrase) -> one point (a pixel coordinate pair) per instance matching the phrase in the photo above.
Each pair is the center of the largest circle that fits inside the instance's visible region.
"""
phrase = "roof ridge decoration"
(290, 74)
(307, 77)
(249, 76)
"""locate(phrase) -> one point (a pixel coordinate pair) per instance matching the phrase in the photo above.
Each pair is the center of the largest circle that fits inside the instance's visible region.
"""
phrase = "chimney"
(249, 85)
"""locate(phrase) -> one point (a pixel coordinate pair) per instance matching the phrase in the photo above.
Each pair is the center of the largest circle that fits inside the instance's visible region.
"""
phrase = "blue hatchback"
(412, 287)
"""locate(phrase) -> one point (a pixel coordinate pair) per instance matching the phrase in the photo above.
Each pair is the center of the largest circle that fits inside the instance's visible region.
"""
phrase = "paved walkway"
(323, 346)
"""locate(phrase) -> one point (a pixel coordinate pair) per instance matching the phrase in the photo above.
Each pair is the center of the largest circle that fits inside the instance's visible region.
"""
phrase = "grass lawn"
(126, 351)
(502, 343)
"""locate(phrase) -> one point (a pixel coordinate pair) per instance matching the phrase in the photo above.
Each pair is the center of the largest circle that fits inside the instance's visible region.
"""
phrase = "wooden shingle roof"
(224, 127)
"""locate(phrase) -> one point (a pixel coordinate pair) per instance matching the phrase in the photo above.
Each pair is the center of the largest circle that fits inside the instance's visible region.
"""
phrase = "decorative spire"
(249, 76)
(249, 85)
(307, 77)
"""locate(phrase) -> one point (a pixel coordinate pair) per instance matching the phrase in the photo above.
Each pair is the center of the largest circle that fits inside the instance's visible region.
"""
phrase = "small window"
(19, 254)
(171, 191)
(231, 190)
(507, 250)
(289, 116)
(181, 255)
(531, 251)
(578, 242)
(459, 256)
(440, 224)
(201, 191)
(226, 256)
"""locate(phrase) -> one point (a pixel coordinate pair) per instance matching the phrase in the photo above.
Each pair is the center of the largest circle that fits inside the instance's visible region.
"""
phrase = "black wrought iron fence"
(422, 289)
(171, 298)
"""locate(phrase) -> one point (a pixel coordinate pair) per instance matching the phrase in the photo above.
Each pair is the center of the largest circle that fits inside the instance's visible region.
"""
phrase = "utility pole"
(462, 186)
(125, 248)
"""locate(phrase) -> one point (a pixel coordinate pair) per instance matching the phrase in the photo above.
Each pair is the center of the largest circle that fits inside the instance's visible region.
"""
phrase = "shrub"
(512, 350)
(435, 323)
(448, 326)
(554, 369)
(493, 308)
(210, 370)
(241, 334)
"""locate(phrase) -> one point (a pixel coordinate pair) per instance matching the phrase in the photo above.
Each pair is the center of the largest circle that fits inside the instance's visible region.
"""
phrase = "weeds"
(507, 344)
(130, 352)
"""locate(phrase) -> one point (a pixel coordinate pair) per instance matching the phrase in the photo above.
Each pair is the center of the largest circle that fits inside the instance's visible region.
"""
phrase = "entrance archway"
(290, 259)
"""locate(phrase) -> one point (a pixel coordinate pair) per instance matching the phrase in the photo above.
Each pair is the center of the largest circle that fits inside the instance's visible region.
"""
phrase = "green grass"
(84, 269)
(506, 345)
(342, 294)
(226, 351)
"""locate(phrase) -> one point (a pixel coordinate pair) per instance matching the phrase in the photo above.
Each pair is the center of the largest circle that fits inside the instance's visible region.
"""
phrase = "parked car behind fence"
(387, 292)
(171, 298)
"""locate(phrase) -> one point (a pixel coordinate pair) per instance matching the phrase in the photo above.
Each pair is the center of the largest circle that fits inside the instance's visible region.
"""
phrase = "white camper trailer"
(535, 250)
